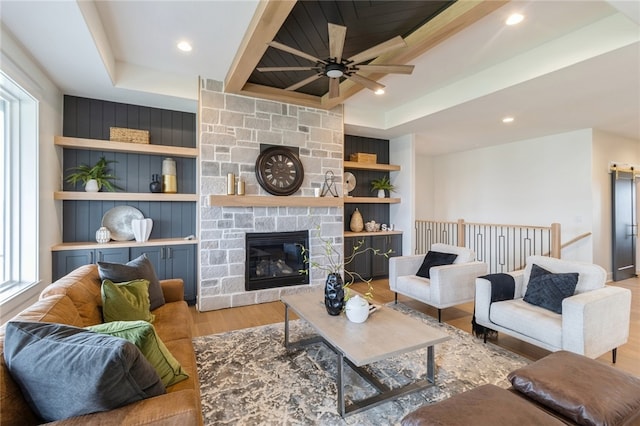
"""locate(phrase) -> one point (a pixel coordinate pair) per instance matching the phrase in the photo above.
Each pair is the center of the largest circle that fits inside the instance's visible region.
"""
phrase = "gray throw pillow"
(548, 290)
(435, 258)
(136, 269)
(66, 371)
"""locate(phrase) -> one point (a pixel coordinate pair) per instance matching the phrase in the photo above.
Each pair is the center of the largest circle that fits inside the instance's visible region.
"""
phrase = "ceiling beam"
(271, 14)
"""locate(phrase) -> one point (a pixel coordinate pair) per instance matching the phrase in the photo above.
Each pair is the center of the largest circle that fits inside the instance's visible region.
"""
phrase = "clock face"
(279, 171)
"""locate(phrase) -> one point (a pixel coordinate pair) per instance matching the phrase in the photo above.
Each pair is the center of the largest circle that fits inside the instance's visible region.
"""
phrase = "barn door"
(624, 227)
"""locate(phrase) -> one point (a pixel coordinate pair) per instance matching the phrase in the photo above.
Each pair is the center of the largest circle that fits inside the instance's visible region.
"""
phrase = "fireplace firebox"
(274, 259)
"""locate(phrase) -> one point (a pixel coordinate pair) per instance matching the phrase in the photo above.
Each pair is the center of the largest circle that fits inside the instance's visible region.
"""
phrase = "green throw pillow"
(126, 301)
(144, 336)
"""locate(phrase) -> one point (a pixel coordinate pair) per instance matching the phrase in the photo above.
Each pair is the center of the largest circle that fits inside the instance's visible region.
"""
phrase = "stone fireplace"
(232, 127)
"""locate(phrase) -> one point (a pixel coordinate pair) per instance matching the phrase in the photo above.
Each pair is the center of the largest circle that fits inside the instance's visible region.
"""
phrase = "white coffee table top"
(384, 334)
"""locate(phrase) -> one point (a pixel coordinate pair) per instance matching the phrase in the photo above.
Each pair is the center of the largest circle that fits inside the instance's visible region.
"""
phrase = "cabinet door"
(155, 255)
(67, 260)
(379, 263)
(361, 263)
(180, 263)
(119, 255)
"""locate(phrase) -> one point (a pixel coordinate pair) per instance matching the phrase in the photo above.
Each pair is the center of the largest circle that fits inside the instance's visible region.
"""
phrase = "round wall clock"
(279, 171)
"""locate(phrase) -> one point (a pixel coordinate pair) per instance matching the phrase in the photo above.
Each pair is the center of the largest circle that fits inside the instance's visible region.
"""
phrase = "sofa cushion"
(584, 390)
(66, 371)
(126, 301)
(548, 290)
(434, 258)
(487, 405)
(139, 268)
(529, 320)
(144, 336)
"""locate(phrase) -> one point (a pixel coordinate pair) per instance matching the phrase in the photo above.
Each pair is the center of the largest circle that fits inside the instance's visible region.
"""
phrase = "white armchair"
(447, 286)
(593, 321)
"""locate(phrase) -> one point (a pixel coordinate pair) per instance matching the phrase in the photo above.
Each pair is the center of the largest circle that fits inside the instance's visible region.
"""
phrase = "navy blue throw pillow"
(547, 290)
(435, 258)
(66, 371)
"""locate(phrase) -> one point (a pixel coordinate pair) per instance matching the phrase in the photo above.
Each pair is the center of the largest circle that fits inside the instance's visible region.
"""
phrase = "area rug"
(248, 378)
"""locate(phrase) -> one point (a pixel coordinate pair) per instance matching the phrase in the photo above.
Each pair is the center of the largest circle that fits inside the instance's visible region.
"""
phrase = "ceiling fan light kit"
(335, 67)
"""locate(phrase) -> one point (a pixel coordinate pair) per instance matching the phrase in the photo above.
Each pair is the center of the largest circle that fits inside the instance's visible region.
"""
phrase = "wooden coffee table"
(385, 334)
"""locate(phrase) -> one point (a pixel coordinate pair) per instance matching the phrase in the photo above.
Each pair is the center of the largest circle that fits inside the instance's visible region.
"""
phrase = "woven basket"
(120, 134)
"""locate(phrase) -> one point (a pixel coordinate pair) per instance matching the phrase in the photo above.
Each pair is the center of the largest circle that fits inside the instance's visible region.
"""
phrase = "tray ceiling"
(303, 26)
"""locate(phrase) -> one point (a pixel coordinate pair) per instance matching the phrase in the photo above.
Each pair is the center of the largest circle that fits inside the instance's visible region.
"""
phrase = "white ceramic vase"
(357, 309)
(92, 186)
(103, 235)
(141, 229)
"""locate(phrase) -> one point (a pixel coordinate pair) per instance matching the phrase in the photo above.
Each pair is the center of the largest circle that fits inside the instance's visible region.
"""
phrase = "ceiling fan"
(336, 66)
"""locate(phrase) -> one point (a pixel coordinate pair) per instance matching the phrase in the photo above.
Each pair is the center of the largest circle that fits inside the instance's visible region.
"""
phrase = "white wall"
(20, 67)
(402, 215)
(608, 148)
(532, 182)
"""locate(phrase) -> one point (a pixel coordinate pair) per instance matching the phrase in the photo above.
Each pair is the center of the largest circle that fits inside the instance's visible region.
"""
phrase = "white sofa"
(449, 285)
(594, 320)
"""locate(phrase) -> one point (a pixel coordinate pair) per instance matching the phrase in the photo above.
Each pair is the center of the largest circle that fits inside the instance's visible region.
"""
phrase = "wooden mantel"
(273, 201)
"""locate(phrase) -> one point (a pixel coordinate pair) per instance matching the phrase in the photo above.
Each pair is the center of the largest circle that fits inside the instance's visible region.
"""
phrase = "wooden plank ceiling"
(303, 26)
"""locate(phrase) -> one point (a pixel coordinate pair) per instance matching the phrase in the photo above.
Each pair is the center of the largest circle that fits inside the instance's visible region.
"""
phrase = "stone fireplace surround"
(232, 127)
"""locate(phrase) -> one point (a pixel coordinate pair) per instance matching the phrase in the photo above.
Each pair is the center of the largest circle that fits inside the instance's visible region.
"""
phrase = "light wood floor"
(212, 322)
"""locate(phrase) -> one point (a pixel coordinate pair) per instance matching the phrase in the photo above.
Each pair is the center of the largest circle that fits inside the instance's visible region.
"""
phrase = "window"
(18, 188)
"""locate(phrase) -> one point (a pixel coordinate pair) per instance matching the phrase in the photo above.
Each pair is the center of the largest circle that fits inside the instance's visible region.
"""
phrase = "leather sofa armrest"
(173, 289)
(399, 266)
(596, 321)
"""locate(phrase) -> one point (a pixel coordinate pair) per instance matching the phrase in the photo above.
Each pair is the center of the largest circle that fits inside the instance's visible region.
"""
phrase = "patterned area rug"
(247, 378)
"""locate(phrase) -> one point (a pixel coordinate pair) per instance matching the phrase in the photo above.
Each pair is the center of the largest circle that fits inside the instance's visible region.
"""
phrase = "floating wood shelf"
(273, 201)
(371, 166)
(122, 244)
(371, 200)
(122, 196)
(135, 148)
(348, 234)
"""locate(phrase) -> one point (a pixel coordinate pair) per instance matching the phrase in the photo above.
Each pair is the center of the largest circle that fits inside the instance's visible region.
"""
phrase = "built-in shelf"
(273, 201)
(371, 200)
(122, 244)
(370, 234)
(122, 196)
(135, 148)
(371, 166)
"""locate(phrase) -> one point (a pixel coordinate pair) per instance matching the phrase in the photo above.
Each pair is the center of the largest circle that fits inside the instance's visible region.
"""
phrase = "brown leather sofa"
(75, 300)
(562, 388)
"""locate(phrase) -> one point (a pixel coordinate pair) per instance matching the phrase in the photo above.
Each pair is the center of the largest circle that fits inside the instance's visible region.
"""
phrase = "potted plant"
(381, 185)
(94, 178)
(336, 290)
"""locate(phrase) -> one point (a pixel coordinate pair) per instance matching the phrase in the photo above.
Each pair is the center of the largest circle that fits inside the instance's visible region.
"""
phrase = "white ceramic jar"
(357, 309)
(103, 235)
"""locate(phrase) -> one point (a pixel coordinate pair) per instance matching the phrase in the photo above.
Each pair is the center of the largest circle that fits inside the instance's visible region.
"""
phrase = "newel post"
(556, 241)
(461, 233)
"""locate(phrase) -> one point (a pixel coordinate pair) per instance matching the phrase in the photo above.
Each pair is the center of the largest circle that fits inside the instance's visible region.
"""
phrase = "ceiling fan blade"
(334, 88)
(268, 69)
(293, 51)
(366, 82)
(304, 82)
(387, 69)
(337, 35)
(377, 50)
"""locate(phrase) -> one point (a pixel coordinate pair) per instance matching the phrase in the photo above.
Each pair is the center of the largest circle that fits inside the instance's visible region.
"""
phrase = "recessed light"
(507, 120)
(185, 46)
(514, 19)
(379, 92)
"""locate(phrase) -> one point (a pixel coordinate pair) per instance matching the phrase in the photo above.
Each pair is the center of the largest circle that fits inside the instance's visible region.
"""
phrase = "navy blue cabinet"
(173, 261)
(65, 261)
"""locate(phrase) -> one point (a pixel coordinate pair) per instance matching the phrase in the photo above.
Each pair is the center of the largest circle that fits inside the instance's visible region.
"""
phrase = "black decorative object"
(279, 171)
(155, 185)
(334, 294)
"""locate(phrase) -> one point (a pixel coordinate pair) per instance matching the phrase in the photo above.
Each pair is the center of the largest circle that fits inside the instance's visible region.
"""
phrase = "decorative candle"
(169, 180)
(231, 184)
(240, 186)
